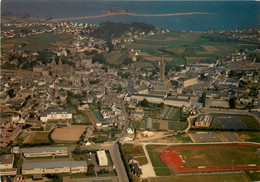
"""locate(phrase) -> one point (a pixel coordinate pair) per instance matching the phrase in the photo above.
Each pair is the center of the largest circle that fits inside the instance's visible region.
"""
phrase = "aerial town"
(127, 104)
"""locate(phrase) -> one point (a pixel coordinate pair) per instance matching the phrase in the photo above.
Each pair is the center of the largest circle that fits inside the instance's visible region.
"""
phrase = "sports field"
(212, 157)
(236, 121)
(204, 178)
(71, 134)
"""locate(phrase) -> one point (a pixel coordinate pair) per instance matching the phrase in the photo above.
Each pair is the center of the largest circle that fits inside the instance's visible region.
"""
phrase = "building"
(135, 169)
(203, 120)
(6, 165)
(102, 158)
(56, 114)
(54, 167)
(147, 133)
(190, 81)
(45, 152)
(162, 69)
(177, 102)
(6, 161)
(150, 98)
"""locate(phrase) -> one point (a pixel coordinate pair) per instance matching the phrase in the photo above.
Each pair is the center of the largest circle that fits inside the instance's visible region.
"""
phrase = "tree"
(144, 103)
(99, 58)
(127, 61)
(204, 97)
(77, 150)
(11, 93)
(232, 102)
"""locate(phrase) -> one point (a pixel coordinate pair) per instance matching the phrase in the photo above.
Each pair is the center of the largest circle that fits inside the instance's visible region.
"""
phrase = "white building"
(45, 151)
(102, 158)
(56, 114)
(54, 167)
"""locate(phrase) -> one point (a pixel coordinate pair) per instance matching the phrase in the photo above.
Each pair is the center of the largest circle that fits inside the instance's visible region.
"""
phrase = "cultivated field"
(72, 133)
(115, 58)
(39, 42)
(193, 46)
(36, 137)
(92, 117)
(166, 113)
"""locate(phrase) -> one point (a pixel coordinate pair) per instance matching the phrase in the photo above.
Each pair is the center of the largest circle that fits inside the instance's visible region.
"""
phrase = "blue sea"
(228, 15)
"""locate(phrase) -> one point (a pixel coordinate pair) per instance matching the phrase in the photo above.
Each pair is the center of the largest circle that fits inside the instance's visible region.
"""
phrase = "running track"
(174, 160)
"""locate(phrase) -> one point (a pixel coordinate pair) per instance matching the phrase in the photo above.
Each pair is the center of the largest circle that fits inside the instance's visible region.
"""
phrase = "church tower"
(162, 69)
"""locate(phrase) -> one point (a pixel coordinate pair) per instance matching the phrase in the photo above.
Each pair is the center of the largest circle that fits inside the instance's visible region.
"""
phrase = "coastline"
(130, 14)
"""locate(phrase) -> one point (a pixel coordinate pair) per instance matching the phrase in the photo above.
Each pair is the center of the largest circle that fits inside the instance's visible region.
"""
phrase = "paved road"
(113, 148)
(115, 153)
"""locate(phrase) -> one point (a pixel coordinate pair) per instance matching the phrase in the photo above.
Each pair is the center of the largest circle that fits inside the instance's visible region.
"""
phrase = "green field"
(219, 156)
(98, 115)
(40, 137)
(250, 122)
(160, 167)
(39, 42)
(166, 113)
(193, 46)
(115, 58)
(204, 178)
(176, 125)
(206, 156)
(133, 150)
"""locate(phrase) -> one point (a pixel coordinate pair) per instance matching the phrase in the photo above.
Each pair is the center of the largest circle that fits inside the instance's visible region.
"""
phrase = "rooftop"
(7, 159)
(56, 164)
(44, 149)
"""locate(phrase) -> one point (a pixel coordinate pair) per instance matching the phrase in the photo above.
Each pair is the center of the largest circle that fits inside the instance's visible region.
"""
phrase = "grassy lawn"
(183, 137)
(250, 121)
(204, 178)
(110, 173)
(254, 176)
(40, 137)
(154, 154)
(142, 160)
(162, 171)
(133, 150)
(98, 115)
(136, 124)
(18, 162)
(254, 136)
(216, 124)
(115, 58)
(80, 157)
(176, 125)
(219, 156)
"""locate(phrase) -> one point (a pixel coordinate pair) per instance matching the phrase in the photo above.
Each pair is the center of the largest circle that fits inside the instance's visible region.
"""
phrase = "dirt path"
(147, 169)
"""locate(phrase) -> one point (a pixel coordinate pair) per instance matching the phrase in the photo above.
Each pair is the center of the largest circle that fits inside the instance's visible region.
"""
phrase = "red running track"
(174, 160)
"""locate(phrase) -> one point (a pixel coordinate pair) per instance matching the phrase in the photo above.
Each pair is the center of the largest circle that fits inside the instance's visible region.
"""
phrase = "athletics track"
(174, 160)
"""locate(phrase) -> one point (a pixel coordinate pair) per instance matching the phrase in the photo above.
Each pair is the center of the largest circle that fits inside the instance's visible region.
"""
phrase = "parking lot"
(230, 137)
(205, 137)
